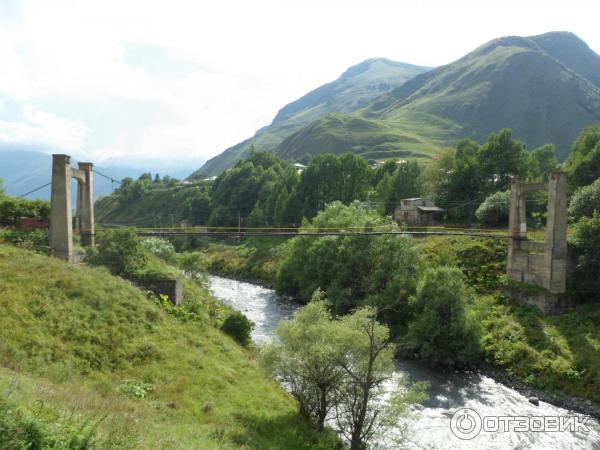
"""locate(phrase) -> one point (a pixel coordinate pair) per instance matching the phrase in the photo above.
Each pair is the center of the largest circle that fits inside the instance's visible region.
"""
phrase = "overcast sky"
(187, 79)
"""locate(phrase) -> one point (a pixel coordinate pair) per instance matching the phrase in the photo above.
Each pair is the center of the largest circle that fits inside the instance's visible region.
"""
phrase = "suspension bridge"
(543, 264)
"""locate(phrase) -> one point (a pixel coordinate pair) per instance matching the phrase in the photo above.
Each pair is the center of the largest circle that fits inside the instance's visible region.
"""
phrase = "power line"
(106, 176)
(35, 190)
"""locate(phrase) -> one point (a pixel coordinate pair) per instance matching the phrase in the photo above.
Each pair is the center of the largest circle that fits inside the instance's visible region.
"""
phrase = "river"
(472, 395)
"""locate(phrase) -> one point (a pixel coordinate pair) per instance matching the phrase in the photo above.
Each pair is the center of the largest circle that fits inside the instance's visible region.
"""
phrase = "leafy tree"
(404, 182)
(119, 250)
(586, 244)
(307, 359)
(379, 270)
(341, 366)
(239, 327)
(441, 331)
(356, 177)
(368, 362)
(543, 162)
(197, 205)
(494, 209)
(501, 158)
(583, 164)
(585, 201)
(321, 183)
(387, 168)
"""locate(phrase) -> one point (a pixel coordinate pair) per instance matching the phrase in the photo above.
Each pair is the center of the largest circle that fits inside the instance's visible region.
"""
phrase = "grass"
(254, 258)
(77, 343)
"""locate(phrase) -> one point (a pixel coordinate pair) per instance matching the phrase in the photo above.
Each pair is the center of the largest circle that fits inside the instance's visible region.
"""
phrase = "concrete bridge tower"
(61, 220)
(543, 264)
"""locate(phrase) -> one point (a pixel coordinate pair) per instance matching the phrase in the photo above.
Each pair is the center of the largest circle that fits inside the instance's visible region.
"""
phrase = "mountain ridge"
(352, 90)
(529, 84)
(545, 87)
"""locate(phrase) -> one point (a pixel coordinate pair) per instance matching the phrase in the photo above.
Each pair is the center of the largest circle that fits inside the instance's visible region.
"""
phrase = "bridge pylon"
(61, 220)
(543, 264)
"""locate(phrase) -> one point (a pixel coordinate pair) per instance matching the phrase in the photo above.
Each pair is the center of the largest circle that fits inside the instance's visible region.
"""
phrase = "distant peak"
(365, 65)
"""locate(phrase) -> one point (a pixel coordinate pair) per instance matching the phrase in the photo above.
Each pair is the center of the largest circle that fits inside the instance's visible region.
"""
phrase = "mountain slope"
(546, 88)
(531, 85)
(353, 90)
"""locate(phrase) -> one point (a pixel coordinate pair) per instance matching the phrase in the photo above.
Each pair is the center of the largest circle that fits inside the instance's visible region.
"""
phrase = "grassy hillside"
(83, 352)
(407, 137)
(353, 90)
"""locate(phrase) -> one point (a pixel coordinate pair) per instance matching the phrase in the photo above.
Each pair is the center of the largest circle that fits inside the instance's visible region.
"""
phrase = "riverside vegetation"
(407, 279)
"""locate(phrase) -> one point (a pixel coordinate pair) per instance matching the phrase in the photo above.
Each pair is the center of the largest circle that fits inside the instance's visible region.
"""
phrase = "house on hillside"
(417, 211)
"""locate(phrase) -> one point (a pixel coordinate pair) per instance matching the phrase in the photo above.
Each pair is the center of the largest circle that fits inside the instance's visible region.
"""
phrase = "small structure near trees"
(417, 211)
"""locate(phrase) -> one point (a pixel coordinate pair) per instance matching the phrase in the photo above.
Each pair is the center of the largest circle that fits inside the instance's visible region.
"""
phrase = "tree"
(585, 243)
(356, 176)
(368, 363)
(336, 368)
(120, 251)
(585, 201)
(494, 209)
(544, 162)
(404, 182)
(501, 158)
(583, 164)
(307, 359)
(441, 331)
(352, 269)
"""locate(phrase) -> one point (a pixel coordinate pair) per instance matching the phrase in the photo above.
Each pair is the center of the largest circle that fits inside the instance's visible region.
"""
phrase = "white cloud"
(229, 65)
(38, 128)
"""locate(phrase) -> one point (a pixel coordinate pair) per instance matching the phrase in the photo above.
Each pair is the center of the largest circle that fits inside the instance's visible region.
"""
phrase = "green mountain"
(353, 90)
(546, 88)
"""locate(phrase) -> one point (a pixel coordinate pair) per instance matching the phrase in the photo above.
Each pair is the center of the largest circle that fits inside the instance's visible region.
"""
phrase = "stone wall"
(171, 287)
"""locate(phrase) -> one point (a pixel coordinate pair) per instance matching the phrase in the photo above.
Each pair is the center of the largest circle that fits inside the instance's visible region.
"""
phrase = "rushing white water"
(430, 428)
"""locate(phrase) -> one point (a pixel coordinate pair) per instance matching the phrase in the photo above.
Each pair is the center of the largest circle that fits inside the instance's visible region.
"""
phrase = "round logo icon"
(465, 423)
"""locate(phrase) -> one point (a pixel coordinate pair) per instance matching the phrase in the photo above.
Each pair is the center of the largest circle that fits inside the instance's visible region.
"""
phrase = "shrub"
(194, 264)
(239, 327)
(441, 331)
(161, 248)
(583, 164)
(137, 389)
(11, 208)
(120, 251)
(585, 201)
(24, 429)
(31, 240)
(586, 243)
(494, 209)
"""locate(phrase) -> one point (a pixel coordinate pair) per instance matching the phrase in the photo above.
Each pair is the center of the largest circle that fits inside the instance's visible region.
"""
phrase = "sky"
(172, 83)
